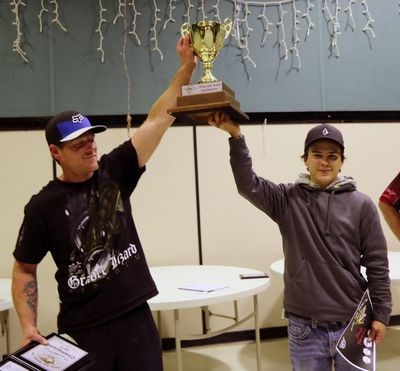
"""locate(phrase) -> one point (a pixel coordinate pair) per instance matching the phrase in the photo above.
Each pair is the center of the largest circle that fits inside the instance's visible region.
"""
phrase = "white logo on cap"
(77, 119)
(325, 131)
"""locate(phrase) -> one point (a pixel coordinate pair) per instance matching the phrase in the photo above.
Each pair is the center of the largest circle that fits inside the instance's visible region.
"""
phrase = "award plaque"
(60, 354)
(199, 100)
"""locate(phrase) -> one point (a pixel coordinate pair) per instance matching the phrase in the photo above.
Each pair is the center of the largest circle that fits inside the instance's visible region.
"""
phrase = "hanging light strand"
(307, 16)
(126, 70)
(56, 18)
(133, 23)
(296, 60)
(43, 10)
(170, 18)
(350, 18)
(17, 8)
(243, 22)
(99, 30)
(266, 25)
(332, 19)
(369, 25)
(153, 30)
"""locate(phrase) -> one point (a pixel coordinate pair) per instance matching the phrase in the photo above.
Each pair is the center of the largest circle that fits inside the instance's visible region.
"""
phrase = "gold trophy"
(198, 101)
(207, 38)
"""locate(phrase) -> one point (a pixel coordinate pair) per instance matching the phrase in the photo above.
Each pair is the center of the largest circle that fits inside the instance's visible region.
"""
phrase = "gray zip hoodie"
(327, 234)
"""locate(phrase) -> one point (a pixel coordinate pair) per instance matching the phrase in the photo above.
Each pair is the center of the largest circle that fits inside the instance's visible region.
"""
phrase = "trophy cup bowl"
(207, 38)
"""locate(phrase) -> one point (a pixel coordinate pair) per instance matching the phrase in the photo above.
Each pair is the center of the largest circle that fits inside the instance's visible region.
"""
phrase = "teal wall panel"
(65, 70)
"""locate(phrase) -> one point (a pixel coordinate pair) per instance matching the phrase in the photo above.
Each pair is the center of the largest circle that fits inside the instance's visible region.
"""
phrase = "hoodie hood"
(340, 184)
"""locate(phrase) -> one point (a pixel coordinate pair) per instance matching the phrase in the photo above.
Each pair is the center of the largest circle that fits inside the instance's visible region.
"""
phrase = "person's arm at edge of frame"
(221, 120)
(25, 298)
(392, 217)
(149, 134)
(377, 331)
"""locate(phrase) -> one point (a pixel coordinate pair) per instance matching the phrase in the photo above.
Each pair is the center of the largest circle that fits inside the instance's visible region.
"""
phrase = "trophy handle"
(185, 29)
(227, 26)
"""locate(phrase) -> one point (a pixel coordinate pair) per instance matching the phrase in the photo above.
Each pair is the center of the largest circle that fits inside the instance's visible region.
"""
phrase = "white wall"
(164, 205)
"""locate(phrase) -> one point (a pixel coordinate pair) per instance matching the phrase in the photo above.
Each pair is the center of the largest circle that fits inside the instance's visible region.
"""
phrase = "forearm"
(168, 99)
(25, 297)
(392, 218)
(150, 133)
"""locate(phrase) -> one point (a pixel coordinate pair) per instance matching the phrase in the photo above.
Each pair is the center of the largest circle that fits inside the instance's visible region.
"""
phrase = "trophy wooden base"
(196, 108)
(199, 113)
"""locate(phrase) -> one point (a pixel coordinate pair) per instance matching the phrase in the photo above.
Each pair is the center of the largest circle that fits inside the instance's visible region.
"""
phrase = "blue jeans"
(312, 345)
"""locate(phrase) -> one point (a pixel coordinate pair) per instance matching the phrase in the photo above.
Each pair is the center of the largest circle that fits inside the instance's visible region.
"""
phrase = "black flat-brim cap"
(324, 131)
(69, 125)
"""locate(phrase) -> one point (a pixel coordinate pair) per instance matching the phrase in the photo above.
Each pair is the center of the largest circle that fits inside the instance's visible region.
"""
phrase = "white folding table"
(170, 297)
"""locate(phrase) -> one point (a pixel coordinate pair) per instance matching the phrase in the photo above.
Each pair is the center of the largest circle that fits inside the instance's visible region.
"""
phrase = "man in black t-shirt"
(84, 219)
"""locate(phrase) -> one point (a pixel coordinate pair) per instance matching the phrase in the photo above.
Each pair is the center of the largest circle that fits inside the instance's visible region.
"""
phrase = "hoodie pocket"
(318, 287)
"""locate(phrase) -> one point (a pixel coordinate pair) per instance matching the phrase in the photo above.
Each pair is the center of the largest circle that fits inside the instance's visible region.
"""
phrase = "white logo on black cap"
(77, 119)
(325, 131)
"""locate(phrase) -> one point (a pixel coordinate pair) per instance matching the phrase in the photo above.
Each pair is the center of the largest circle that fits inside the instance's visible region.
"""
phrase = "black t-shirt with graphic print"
(89, 230)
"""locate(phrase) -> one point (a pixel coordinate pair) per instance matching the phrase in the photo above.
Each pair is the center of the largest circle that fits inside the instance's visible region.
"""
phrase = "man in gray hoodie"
(329, 230)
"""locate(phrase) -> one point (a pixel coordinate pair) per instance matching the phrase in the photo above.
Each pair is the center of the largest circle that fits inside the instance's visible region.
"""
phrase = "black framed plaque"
(60, 354)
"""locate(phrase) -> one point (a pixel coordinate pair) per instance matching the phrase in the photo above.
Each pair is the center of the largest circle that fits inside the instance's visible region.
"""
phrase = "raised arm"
(392, 217)
(148, 136)
(25, 297)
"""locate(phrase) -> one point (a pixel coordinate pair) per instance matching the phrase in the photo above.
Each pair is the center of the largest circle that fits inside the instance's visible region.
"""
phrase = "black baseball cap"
(324, 131)
(69, 125)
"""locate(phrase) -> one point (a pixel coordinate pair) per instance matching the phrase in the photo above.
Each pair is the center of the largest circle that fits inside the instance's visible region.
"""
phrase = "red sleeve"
(391, 195)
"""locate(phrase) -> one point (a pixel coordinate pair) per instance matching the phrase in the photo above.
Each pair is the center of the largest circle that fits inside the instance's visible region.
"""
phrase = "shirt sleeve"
(391, 195)
(122, 165)
(30, 247)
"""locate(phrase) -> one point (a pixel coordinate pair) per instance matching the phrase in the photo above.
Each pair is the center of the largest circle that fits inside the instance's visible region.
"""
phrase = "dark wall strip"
(229, 337)
(115, 121)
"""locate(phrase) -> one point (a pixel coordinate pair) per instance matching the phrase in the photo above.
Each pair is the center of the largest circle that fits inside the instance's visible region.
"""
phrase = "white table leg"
(158, 314)
(257, 332)
(178, 340)
(4, 332)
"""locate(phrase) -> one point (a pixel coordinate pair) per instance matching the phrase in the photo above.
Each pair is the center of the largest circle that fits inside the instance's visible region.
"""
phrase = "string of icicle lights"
(291, 16)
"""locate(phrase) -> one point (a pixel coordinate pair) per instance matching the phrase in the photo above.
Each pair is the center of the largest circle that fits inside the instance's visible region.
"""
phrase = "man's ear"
(54, 151)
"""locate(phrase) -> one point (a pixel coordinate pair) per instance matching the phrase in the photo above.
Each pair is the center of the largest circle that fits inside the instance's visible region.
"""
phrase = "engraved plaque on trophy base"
(196, 107)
